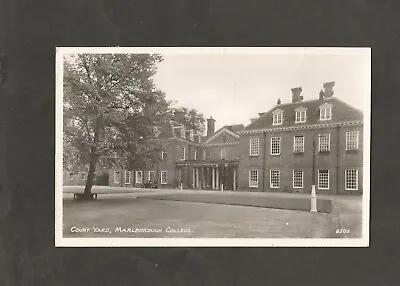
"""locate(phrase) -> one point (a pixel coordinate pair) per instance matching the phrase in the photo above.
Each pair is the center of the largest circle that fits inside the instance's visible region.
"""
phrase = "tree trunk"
(94, 157)
(90, 178)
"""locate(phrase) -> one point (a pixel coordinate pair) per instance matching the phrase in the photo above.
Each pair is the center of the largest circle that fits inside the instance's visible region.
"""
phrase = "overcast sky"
(232, 88)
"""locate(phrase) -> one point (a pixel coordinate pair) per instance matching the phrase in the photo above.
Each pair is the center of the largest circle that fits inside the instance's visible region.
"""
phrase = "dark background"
(29, 32)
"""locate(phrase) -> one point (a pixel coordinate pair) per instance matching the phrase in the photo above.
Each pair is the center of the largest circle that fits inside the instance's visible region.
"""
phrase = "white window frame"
(183, 131)
(279, 146)
(319, 179)
(129, 177)
(325, 113)
(329, 142)
(115, 177)
(163, 155)
(294, 179)
(253, 183)
(166, 177)
(154, 175)
(350, 139)
(204, 154)
(71, 177)
(195, 154)
(191, 135)
(270, 179)
(301, 116)
(294, 144)
(345, 180)
(254, 149)
(183, 153)
(139, 179)
(83, 176)
(277, 118)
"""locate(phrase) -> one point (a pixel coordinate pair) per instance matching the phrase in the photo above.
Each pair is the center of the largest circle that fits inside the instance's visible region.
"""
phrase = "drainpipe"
(264, 152)
(313, 192)
(337, 159)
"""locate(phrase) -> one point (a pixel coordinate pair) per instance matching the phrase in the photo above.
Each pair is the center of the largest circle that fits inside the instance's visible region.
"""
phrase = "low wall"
(288, 203)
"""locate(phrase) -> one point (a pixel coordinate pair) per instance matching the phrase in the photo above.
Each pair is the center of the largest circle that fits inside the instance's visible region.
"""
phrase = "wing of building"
(285, 149)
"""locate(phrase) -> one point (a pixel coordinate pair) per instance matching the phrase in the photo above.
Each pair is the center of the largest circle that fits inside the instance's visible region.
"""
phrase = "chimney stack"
(279, 101)
(296, 97)
(328, 86)
(210, 126)
(179, 116)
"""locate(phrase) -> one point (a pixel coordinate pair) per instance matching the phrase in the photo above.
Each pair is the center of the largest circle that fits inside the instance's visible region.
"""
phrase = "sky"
(235, 87)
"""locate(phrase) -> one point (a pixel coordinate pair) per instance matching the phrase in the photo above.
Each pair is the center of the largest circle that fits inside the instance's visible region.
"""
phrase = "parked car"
(150, 185)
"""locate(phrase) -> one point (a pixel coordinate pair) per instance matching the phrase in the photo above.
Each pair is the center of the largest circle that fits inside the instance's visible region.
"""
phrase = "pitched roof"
(341, 112)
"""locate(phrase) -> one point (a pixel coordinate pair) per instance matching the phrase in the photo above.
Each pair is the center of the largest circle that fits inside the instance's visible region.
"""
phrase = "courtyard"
(141, 213)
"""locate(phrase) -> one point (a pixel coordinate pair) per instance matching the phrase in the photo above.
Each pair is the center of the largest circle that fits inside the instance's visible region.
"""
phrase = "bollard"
(313, 199)
(181, 187)
(222, 187)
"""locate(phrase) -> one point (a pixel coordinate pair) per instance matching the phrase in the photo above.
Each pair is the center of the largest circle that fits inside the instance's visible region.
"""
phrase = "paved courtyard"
(127, 212)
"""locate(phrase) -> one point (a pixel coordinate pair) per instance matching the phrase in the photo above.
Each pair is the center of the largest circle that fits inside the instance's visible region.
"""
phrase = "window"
(71, 176)
(351, 182)
(83, 176)
(163, 155)
(254, 146)
(195, 154)
(253, 178)
(325, 112)
(323, 179)
(139, 177)
(301, 116)
(298, 146)
(297, 179)
(116, 177)
(151, 176)
(352, 140)
(324, 142)
(275, 145)
(277, 118)
(274, 176)
(224, 153)
(205, 155)
(164, 177)
(127, 177)
(183, 153)
(183, 132)
(191, 135)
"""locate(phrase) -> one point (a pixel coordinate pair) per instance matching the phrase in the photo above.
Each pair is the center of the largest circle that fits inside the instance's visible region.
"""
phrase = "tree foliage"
(111, 111)
(192, 119)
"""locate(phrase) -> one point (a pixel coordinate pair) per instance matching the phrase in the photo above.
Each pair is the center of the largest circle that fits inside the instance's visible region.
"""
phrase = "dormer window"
(325, 112)
(183, 132)
(191, 135)
(277, 117)
(301, 115)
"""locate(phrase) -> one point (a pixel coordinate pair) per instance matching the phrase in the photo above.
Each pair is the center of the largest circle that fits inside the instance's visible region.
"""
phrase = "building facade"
(286, 149)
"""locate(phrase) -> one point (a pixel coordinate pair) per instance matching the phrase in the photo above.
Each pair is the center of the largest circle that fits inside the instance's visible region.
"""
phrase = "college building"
(285, 149)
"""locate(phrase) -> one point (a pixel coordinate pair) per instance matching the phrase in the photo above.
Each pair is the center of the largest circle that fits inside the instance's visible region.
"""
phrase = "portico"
(217, 175)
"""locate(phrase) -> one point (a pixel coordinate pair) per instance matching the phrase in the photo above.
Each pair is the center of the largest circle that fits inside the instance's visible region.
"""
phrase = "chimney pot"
(279, 101)
(296, 97)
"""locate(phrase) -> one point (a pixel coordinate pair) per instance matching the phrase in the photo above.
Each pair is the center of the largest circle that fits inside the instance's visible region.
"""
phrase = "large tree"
(111, 111)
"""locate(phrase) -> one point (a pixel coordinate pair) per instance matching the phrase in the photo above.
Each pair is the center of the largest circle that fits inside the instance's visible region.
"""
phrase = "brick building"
(286, 149)
(294, 145)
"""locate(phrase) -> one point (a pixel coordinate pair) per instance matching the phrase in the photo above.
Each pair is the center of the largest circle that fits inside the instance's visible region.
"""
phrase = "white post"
(217, 186)
(313, 199)
(181, 186)
(222, 187)
(234, 179)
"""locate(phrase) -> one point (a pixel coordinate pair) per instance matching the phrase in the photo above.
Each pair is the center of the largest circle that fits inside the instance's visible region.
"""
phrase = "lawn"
(188, 219)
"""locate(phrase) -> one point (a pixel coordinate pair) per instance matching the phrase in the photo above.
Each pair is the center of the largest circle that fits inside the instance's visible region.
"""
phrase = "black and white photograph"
(212, 146)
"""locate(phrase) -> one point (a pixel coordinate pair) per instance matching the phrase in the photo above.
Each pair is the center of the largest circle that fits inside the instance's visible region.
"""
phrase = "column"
(212, 178)
(234, 179)
(217, 179)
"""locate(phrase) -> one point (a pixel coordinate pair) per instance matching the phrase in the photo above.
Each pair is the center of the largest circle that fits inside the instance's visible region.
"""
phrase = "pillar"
(212, 178)
(217, 178)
